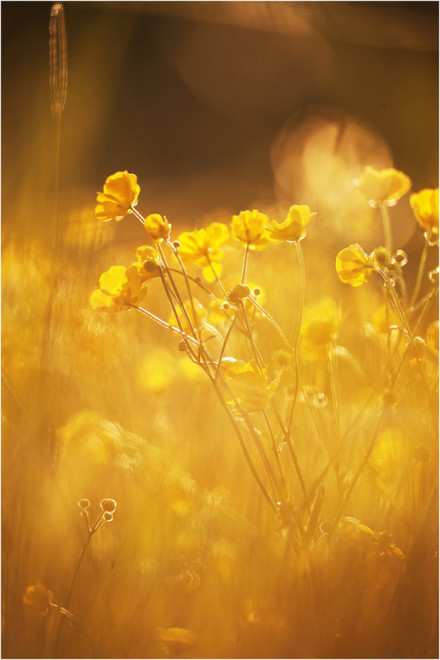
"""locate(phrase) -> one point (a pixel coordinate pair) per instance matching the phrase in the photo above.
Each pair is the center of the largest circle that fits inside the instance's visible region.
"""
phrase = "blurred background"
(221, 105)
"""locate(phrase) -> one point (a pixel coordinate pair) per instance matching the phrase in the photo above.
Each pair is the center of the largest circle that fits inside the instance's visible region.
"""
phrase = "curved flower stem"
(217, 279)
(272, 321)
(65, 612)
(282, 476)
(386, 222)
(334, 385)
(188, 288)
(243, 444)
(138, 215)
(166, 325)
(357, 475)
(302, 286)
(75, 575)
(420, 272)
(245, 260)
(225, 341)
(288, 440)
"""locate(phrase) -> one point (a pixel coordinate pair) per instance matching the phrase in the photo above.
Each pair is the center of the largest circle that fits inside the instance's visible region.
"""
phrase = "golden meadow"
(211, 446)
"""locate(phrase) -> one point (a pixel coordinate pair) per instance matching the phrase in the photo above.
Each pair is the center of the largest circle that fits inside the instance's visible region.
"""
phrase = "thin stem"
(243, 445)
(223, 348)
(287, 439)
(217, 279)
(245, 260)
(166, 325)
(73, 582)
(334, 386)
(420, 272)
(283, 482)
(302, 285)
(357, 475)
(65, 612)
(188, 288)
(386, 227)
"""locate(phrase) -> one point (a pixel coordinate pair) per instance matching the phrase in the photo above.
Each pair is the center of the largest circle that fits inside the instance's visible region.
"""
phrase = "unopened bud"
(433, 275)
(382, 257)
(400, 258)
(108, 505)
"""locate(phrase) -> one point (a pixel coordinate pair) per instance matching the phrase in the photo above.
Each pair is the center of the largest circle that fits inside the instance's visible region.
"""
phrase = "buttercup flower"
(202, 248)
(294, 227)
(249, 227)
(249, 384)
(36, 600)
(383, 317)
(120, 193)
(319, 328)
(432, 336)
(385, 546)
(196, 308)
(158, 227)
(148, 263)
(353, 265)
(425, 207)
(119, 288)
(383, 186)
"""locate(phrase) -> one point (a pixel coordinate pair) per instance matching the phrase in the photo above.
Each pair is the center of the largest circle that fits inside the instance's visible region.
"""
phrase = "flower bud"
(433, 275)
(400, 258)
(108, 505)
(381, 257)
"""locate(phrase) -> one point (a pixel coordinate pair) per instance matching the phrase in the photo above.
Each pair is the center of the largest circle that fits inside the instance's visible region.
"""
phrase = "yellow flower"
(148, 263)
(353, 265)
(119, 289)
(36, 600)
(250, 227)
(120, 193)
(178, 642)
(432, 336)
(383, 186)
(383, 541)
(202, 248)
(425, 207)
(294, 226)
(196, 312)
(249, 384)
(383, 317)
(157, 371)
(319, 328)
(157, 227)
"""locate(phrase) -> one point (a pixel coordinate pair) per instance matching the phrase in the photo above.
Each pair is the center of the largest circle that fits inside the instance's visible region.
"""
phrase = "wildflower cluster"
(219, 326)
